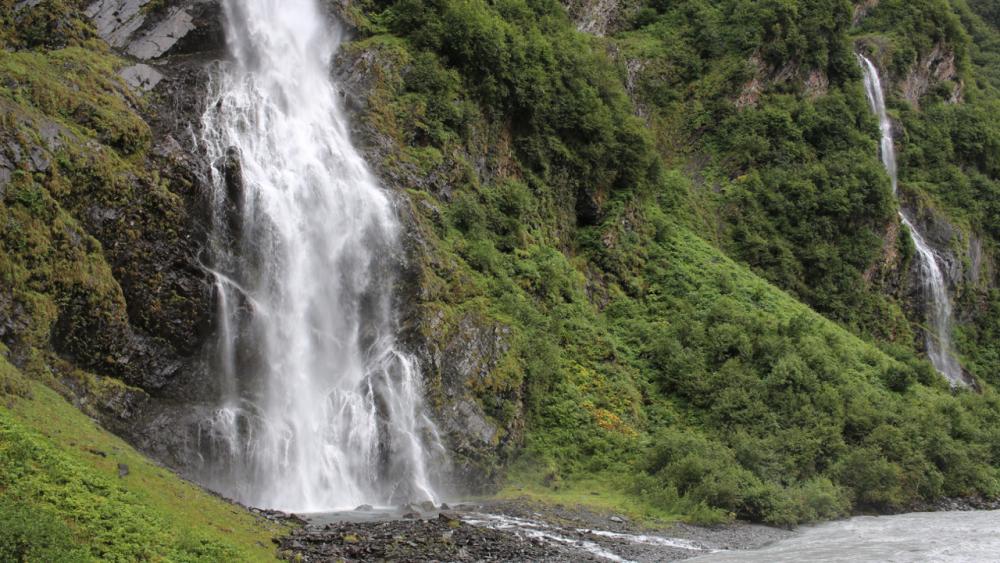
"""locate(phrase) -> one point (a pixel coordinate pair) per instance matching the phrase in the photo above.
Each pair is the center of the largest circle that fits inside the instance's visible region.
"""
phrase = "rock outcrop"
(935, 67)
(148, 30)
(600, 17)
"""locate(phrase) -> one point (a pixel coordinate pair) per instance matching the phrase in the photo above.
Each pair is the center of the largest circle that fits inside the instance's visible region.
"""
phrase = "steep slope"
(86, 222)
(74, 492)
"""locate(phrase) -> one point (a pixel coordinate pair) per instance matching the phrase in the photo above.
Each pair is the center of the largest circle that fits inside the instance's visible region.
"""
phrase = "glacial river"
(923, 536)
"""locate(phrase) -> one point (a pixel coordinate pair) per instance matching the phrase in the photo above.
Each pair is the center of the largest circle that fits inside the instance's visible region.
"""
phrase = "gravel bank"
(509, 531)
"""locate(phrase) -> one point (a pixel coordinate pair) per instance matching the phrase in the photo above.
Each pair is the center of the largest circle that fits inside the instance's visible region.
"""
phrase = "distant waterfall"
(320, 407)
(939, 316)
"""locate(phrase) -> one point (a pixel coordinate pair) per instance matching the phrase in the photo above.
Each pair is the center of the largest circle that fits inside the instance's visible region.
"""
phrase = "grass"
(59, 461)
(594, 493)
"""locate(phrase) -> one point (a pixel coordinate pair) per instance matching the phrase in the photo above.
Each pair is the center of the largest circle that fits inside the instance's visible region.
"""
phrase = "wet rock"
(232, 170)
(508, 531)
(427, 506)
(6, 173)
(363, 507)
(141, 77)
(457, 352)
(146, 33)
(618, 519)
(411, 515)
(161, 38)
(413, 540)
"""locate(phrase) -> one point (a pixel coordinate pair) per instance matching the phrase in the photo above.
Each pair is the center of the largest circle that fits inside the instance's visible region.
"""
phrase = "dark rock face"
(141, 77)
(461, 358)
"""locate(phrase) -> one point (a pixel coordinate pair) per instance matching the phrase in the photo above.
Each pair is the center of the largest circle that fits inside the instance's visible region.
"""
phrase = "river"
(921, 536)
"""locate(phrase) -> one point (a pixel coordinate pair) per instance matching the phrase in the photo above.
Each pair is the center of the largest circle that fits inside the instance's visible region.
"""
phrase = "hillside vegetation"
(642, 355)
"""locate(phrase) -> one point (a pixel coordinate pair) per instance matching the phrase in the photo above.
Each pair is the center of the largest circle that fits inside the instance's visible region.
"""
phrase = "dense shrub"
(28, 533)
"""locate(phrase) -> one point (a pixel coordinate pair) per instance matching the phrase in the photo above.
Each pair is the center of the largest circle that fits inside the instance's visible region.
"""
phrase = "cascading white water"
(935, 287)
(320, 409)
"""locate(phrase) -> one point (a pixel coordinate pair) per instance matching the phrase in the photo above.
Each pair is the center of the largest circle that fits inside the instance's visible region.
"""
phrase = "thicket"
(762, 100)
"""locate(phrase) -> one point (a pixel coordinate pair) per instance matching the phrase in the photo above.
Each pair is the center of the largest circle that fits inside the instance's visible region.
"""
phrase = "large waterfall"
(935, 287)
(320, 409)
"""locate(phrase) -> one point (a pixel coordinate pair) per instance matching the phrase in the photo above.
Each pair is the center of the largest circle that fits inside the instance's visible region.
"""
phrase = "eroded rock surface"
(934, 67)
(148, 30)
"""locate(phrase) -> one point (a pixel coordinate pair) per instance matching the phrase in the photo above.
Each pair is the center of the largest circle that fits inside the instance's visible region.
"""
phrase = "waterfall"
(320, 409)
(933, 282)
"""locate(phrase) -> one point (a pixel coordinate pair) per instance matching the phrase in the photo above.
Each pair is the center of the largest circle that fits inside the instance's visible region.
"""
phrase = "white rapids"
(935, 287)
(320, 409)
(933, 537)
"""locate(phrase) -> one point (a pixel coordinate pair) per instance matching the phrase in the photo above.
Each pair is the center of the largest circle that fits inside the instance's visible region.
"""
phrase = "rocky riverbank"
(509, 531)
(961, 504)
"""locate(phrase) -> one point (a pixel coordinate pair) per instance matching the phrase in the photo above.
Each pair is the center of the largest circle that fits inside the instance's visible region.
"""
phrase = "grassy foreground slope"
(71, 491)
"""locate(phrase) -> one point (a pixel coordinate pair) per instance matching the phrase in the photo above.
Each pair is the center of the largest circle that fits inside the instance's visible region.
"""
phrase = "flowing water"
(919, 537)
(320, 409)
(935, 286)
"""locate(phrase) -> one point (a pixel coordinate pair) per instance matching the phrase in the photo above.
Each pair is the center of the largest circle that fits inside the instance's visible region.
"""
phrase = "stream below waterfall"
(922, 536)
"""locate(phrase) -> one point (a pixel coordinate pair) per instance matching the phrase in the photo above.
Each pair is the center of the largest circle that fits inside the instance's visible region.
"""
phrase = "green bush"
(30, 533)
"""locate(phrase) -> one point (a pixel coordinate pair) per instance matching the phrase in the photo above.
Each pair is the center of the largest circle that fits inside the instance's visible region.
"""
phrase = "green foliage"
(522, 64)
(631, 346)
(788, 179)
(28, 533)
(914, 29)
(990, 11)
(45, 24)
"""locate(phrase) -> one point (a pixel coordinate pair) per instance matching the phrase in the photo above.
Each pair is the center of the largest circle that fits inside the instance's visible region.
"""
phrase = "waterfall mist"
(934, 285)
(320, 409)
